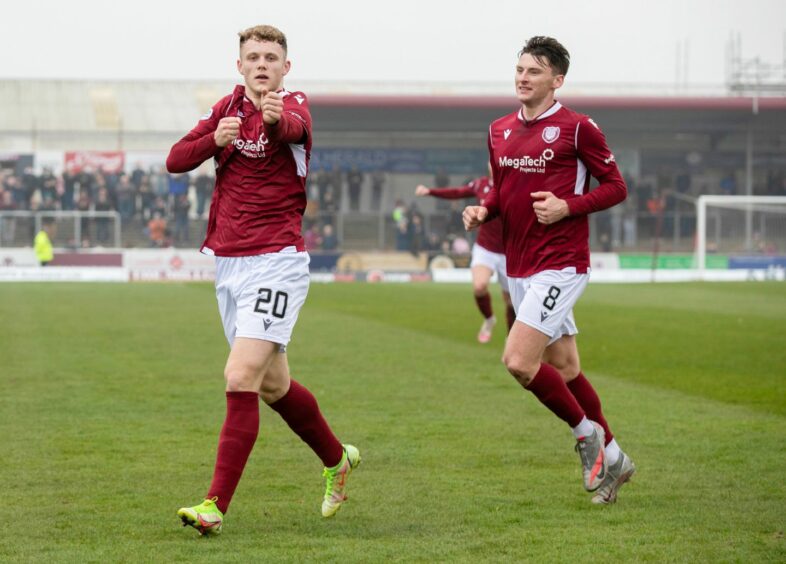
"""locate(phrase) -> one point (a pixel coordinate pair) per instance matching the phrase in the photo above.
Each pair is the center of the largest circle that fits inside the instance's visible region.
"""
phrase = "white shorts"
(260, 297)
(481, 256)
(545, 300)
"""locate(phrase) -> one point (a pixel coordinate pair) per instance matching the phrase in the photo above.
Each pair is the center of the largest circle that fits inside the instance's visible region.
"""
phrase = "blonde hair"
(264, 33)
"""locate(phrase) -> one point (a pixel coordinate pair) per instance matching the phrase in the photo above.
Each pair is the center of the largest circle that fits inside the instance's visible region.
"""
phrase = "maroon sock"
(237, 438)
(510, 313)
(299, 408)
(549, 387)
(589, 401)
(484, 305)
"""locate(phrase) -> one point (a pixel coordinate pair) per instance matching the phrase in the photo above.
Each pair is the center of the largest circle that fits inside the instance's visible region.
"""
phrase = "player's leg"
(481, 276)
(299, 408)
(542, 303)
(502, 276)
(510, 312)
(248, 361)
(563, 354)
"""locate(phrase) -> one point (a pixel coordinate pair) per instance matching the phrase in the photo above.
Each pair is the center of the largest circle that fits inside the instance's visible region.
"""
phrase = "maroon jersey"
(260, 195)
(490, 233)
(556, 152)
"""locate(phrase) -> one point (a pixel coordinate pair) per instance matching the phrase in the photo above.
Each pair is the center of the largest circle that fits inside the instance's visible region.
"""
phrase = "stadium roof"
(172, 107)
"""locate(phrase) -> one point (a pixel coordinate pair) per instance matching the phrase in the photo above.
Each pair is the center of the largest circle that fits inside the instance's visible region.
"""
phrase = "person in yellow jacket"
(43, 242)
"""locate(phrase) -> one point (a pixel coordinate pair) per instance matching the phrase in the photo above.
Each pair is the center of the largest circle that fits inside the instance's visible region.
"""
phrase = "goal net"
(749, 231)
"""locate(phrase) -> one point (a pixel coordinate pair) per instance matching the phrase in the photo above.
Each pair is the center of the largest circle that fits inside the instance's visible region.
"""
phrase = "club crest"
(550, 134)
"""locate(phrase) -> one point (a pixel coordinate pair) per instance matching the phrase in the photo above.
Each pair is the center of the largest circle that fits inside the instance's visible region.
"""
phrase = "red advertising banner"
(109, 161)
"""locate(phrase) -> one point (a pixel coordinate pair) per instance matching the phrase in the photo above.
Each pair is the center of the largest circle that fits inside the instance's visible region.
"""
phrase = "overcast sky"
(467, 41)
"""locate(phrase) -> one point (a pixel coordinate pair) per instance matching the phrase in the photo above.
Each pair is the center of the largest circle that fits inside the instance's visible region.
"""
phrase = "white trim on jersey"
(548, 113)
(581, 169)
(581, 177)
(299, 154)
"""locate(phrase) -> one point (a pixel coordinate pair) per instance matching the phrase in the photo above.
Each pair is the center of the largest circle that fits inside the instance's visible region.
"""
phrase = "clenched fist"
(474, 216)
(227, 131)
(272, 107)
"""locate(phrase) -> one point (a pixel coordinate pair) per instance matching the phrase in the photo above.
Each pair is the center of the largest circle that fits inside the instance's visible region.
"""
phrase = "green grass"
(111, 398)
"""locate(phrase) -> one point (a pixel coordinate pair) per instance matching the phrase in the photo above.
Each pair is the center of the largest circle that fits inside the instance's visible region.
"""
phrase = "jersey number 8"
(551, 298)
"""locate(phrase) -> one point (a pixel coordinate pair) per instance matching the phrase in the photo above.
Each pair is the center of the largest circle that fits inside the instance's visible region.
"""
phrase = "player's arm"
(288, 120)
(595, 154)
(449, 193)
(205, 141)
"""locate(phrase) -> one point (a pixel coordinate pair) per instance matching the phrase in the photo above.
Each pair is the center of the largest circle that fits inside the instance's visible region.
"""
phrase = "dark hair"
(540, 47)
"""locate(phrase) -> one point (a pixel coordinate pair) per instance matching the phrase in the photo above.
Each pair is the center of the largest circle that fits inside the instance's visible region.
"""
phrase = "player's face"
(535, 81)
(263, 65)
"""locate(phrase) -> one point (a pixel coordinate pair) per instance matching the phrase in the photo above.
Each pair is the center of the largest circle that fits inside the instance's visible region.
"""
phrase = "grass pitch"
(111, 399)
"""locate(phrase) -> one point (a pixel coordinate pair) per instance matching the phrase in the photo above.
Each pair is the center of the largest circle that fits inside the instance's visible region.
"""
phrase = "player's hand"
(548, 208)
(474, 216)
(227, 131)
(421, 190)
(272, 107)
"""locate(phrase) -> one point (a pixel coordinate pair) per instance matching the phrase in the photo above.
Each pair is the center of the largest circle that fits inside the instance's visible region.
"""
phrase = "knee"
(239, 379)
(271, 392)
(480, 289)
(520, 368)
(568, 368)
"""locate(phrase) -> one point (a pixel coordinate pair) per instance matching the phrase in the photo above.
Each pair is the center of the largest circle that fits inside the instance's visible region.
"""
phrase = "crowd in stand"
(161, 205)
(154, 199)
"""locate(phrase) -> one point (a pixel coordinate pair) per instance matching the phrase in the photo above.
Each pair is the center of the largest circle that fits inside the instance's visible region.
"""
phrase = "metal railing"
(17, 228)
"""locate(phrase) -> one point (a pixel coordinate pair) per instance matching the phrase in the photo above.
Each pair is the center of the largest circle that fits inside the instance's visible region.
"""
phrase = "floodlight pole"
(749, 189)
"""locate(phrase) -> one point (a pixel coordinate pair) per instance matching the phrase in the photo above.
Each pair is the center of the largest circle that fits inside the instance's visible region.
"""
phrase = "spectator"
(728, 184)
(178, 184)
(329, 238)
(48, 185)
(336, 184)
(355, 184)
(459, 245)
(204, 184)
(102, 223)
(323, 184)
(7, 224)
(67, 198)
(416, 233)
(138, 176)
(311, 238)
(146, 198)
(159, 181)
(329, 206)
(159, 207)
(181, 209)
(28, 188)
(126, 197)
(43, 241)
(84, 204)
(377, 189)
(157, 230)
(442, 180)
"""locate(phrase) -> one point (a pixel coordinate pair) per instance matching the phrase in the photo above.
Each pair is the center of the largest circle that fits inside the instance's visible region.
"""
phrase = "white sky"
(457, 41)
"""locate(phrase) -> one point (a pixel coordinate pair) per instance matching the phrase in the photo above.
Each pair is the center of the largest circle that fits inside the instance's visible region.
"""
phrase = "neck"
(255, 98)
(534, 109)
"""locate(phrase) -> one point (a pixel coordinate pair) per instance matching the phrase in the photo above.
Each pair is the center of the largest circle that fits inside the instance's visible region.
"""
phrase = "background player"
(260, 137)
(542, 156)
(488, 253)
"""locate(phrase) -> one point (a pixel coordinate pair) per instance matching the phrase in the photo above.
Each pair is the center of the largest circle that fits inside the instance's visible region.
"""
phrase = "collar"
(555, 107)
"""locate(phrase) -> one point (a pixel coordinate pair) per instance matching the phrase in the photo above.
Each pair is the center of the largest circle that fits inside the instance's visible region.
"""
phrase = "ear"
(558, 81)
(239, 67)
(287, 66)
